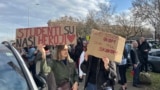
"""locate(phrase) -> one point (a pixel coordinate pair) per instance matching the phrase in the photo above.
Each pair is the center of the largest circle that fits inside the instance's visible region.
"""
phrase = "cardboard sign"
(104, 44)
(57, 35)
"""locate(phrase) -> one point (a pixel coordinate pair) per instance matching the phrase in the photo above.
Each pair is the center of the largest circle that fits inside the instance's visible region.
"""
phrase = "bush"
(145, 78)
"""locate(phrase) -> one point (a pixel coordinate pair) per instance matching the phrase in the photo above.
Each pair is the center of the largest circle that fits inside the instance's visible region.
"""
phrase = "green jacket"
(61, 71)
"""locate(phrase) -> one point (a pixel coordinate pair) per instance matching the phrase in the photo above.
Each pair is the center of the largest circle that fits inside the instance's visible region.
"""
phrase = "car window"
(158, 53)
(152, 53)
(11, 77)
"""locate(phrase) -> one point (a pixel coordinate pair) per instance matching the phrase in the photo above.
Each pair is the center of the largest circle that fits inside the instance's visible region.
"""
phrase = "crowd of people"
(65, 66)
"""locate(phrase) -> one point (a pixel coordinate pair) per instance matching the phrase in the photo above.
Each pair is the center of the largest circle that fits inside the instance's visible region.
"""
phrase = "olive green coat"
(61, 71)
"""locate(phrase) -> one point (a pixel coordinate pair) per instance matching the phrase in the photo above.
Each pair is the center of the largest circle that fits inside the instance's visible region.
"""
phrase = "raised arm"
(45, 69)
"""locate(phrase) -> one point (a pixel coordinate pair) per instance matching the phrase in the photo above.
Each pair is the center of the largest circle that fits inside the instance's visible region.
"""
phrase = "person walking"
(31, 59)
(81, 73)
(136, 63)
(144, 50)
(100, 73)
(122, 70)
(63, 68)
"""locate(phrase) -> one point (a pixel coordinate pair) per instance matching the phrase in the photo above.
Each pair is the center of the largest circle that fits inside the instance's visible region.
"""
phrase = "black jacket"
(133, 56)
(143, 47)
(103, 76)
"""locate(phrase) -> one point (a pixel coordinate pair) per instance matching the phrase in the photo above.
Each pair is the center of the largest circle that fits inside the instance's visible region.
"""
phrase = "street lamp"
(29, 13)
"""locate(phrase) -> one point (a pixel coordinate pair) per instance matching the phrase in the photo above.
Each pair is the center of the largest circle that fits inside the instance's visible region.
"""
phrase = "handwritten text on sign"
(106, 45)
(57, 35)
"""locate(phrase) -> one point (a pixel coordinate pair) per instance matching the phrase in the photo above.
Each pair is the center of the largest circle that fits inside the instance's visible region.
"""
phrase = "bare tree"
(104, 16)
(127, 25)
(99, 19)
(91, 22)
(105, 13)
(148, 10)
(81, 28)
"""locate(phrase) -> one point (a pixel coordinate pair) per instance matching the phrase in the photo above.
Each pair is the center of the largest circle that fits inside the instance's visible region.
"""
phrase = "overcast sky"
(15, 13)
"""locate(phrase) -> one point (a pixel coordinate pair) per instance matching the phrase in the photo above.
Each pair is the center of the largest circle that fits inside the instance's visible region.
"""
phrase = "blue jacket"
(30, 54)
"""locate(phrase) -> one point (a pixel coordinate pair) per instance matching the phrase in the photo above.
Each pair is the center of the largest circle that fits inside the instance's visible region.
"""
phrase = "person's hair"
(47, 47)
(58, 53)
(134, 43)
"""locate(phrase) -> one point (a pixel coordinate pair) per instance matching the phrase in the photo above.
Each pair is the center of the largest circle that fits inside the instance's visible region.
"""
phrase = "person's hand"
(106, 62)
(41, 49)
(135, 65)
(86, 57)
(75, 86)
(145, 50)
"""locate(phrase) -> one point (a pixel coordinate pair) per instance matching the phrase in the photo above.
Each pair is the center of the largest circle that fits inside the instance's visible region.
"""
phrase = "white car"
(14, 73)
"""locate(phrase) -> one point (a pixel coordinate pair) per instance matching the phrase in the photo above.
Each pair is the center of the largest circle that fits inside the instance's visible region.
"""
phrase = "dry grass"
(155, 79)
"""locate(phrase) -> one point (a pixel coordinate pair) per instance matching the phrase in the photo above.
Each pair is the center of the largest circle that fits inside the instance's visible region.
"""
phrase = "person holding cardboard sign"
(63, 67)
(100, 73)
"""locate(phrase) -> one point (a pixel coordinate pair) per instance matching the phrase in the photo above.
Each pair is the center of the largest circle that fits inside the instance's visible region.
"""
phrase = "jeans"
(136, 74)
(144, 66)
(122, 72)
(91, 86)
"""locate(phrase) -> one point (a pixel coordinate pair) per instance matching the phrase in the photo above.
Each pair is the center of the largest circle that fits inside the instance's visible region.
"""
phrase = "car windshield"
(11, 77)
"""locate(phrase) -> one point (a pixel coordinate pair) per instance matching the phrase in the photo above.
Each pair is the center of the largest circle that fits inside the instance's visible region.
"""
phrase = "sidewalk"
(117, 86)
(130, 87)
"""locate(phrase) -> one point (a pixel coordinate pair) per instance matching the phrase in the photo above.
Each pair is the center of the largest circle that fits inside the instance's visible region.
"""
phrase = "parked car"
(154, 60)
(14, 73)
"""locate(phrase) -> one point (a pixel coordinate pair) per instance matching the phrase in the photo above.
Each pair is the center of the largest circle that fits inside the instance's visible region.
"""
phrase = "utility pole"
(29, 13)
